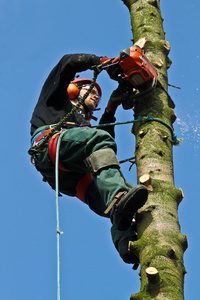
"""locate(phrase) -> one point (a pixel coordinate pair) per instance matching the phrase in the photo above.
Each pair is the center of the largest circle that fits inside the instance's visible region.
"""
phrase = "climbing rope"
(58, 232)
(147, 119)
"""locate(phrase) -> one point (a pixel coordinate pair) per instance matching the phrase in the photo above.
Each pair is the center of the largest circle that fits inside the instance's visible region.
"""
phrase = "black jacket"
(54, 102)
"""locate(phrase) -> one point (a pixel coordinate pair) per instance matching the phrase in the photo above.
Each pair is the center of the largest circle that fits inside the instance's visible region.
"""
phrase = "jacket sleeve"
(108, 117)
(54, 89)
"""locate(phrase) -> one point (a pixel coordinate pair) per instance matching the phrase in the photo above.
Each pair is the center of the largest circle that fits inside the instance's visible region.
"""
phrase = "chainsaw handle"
(116, 59)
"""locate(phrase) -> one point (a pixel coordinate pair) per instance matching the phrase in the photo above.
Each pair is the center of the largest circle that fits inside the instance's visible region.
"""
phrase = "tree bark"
(160, 245)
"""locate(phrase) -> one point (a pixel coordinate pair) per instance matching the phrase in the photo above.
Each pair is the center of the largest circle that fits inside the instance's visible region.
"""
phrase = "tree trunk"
(160, 245)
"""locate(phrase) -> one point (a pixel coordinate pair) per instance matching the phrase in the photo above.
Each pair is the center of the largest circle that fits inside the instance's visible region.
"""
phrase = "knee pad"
(101, 159)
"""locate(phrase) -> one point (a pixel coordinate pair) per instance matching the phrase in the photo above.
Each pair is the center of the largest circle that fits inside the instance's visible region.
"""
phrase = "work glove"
(102, 63)
(122, 95)
(115, 100)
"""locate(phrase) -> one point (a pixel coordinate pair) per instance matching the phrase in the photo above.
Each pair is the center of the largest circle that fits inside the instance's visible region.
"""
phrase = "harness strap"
(82, 186)
(52, 151)
(83, 182)
(38, 137)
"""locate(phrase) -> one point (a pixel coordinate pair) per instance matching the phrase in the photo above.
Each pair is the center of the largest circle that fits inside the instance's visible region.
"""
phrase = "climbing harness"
(52, 148)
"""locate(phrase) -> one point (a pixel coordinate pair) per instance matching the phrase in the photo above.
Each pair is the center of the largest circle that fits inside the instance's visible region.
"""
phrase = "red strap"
(52, 151)
(83, 182)
(40, 136)
(82, 186)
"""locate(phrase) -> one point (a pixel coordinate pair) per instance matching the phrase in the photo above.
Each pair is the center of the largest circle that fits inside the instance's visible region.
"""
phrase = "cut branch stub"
(146, 180)
(134, 247)
(184, 242)
(142, 133)
(152, 275)
(166, 45)
(180, 196)
(141, 42)
(171, 253)
(169, 62)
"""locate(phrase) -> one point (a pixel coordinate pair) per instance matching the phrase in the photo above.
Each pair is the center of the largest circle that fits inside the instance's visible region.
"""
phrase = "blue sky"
(34, 36)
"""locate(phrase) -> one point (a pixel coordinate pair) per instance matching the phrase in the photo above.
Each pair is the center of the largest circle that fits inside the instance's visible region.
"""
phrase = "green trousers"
(76, 145)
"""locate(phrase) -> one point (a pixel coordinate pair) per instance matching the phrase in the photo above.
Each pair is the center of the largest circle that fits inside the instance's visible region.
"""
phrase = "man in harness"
(88, 166)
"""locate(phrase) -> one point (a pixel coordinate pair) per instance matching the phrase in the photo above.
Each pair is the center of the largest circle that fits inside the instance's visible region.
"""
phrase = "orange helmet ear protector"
(73, 91)
(73, 87)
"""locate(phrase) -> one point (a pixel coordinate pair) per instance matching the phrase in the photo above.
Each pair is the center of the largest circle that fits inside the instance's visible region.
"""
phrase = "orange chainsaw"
(133, 68)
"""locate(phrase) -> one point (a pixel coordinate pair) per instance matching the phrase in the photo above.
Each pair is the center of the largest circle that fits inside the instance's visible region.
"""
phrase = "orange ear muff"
(73, 91)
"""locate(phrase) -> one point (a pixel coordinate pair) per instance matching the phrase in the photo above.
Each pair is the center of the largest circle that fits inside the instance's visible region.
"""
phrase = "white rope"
(58, 232)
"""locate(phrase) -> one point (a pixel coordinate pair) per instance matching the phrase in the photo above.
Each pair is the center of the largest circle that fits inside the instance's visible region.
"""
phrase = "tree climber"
(88, 166)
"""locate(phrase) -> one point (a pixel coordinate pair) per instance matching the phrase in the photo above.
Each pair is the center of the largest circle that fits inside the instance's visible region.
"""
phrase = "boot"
(122, 246)
(125, 205)
(128, 256)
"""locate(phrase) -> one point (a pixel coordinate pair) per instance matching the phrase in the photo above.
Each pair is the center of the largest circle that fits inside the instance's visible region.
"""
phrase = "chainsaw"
(134, 71)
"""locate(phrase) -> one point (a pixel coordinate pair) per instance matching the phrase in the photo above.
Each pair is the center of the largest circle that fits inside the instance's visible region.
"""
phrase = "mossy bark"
(160, 244)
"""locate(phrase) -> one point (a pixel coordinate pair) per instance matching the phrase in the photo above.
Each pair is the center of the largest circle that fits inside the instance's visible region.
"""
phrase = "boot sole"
(129, 205)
